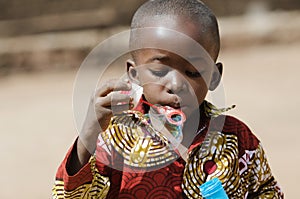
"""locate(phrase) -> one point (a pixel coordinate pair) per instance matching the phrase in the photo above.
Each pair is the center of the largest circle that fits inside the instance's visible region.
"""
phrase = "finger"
(121, 108)
(114, 99)
(103, 116)
(105, 111)
(112, 85)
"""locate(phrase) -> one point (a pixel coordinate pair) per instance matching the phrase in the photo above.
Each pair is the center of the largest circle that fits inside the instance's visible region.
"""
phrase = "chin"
(190, 111)
(186, 110)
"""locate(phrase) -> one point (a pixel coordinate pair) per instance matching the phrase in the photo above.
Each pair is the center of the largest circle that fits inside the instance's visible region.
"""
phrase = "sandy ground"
(37, 128)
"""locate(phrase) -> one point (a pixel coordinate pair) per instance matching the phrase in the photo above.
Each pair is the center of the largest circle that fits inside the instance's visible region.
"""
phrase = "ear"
(216, 76)
(131, 71)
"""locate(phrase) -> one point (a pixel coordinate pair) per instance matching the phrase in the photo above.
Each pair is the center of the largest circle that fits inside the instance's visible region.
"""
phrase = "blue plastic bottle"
(213, 189)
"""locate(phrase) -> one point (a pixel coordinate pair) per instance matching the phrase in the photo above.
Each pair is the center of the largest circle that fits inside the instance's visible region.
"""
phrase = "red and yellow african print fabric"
(232, 153)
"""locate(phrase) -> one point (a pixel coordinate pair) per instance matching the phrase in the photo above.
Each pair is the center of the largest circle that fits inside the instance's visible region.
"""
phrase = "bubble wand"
(174, 116)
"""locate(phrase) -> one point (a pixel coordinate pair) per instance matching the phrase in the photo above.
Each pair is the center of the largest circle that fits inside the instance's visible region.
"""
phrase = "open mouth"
(174, 105)
(177, 106)
(172, 112)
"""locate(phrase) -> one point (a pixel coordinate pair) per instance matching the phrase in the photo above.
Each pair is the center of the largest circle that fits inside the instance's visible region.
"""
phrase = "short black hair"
(194, 10)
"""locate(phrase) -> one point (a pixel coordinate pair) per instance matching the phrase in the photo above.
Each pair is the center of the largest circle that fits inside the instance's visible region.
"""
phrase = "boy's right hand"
(106, 101)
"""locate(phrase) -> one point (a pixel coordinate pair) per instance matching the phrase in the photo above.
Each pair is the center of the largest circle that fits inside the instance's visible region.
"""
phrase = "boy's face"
(169, 79)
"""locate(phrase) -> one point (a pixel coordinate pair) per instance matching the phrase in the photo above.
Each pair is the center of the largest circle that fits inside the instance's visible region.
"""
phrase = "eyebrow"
(194, 58)
(158, 57)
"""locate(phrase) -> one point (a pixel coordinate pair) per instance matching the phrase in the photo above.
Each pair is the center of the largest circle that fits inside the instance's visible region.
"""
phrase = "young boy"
(222, 146)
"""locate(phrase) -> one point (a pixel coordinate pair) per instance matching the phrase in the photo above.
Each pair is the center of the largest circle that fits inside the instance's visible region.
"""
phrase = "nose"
(176, 83)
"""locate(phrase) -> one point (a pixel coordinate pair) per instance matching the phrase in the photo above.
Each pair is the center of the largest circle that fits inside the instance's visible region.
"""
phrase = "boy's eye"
(193, 74)
(159, 73)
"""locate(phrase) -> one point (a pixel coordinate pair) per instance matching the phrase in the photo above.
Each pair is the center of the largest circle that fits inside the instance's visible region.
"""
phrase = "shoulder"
(246, 138)
(232, 124)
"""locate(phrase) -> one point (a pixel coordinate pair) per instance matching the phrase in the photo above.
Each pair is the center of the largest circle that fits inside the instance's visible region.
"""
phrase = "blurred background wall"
(43, 34)
(43, 43)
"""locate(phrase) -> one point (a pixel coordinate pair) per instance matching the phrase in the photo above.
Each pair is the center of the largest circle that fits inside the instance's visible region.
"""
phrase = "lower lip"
(182, 108)
(185, 110)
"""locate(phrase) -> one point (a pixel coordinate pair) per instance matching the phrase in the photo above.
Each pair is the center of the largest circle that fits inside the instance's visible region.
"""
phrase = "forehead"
(148, 55)
(177, 23)
(174, 34)
(158, 57)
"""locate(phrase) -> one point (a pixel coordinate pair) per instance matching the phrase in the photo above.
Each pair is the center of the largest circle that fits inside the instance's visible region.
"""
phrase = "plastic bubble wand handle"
(174, 116)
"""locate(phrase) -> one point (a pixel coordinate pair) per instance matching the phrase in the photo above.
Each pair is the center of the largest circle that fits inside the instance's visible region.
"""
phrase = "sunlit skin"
(169, 79)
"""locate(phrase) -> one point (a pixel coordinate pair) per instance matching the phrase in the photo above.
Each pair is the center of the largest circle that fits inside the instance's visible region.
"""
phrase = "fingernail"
(131, 106)
(129, 86)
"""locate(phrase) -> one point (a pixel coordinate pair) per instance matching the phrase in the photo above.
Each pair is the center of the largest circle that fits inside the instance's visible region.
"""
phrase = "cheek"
(152, 92)
(200, 88)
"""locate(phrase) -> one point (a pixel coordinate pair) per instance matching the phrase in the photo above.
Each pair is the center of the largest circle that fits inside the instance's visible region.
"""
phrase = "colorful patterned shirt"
(225, 148)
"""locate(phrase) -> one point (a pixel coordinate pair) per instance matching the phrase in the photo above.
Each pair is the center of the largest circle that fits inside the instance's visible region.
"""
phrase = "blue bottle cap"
(213, 189)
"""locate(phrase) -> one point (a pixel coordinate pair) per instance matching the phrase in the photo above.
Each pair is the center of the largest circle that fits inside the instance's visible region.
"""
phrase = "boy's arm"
(262, 182)
(78, 172)
(82, 184)
(97, 119)
(80, 155)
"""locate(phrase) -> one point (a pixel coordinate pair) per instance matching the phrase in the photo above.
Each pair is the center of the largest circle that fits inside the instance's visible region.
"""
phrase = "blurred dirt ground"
(37, 122)
(37, 127)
